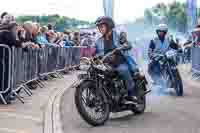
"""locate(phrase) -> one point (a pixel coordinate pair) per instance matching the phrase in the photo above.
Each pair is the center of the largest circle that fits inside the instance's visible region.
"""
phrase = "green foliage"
(60, 22)
(175, 15)
(148, 15)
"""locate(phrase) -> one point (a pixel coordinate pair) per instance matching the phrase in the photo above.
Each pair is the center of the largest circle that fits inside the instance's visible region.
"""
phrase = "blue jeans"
(123, 70)
(132, 64)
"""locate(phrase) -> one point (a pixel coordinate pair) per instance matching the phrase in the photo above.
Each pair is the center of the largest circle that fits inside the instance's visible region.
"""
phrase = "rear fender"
(89, 80)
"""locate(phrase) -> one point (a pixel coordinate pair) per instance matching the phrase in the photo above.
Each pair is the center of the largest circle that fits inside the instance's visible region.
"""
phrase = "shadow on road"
(125, 117)
(123, 120)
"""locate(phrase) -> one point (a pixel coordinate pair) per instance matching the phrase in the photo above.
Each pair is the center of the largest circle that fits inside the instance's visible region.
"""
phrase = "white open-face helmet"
(162, 27)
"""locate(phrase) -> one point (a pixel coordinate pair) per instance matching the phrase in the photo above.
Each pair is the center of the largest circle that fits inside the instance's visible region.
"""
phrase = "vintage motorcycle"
(101, 90)
(169, 70)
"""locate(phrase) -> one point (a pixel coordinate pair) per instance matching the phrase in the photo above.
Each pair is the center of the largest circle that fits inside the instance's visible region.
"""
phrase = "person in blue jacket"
(122, 62)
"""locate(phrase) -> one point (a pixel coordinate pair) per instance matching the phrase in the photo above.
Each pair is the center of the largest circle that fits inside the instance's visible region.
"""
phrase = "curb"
(52, 120)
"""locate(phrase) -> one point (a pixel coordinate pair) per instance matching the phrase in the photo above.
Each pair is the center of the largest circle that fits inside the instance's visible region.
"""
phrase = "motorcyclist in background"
(160, 44)
(109, 41)
(188, 48)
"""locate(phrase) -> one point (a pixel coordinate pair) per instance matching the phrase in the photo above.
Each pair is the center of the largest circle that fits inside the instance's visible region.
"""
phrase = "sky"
(125, 10)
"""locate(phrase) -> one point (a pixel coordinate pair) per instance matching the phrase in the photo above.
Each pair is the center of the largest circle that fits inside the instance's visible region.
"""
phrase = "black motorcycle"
(101, 91)
(169, 70)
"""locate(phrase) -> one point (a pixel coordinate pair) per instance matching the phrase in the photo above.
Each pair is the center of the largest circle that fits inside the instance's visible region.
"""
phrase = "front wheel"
(91, 103)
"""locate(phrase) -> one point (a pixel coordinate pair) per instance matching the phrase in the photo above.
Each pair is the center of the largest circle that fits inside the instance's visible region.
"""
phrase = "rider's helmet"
(162, 28)
(161, 31)
(105, 20)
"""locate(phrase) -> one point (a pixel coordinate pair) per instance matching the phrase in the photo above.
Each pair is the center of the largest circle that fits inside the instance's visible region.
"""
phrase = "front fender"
(78, 83)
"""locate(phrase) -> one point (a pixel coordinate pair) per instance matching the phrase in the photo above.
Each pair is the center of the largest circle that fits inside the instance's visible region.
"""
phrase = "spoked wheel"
(141, 106)
(179, 84)
(92, 104)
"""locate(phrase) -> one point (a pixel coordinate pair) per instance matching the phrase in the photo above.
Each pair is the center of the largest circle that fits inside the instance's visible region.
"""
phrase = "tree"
(60, 22)
(174, 15)
(177, 16)
(148, 16)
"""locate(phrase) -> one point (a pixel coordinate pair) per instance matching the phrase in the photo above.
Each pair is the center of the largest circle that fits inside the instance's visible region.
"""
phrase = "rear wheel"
(178, 84)
(141, 106)
(91, 104)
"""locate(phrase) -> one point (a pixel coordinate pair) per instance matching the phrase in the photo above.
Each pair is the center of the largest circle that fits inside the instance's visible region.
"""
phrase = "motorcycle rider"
(121, 61)
(160, 44)
(187, 48)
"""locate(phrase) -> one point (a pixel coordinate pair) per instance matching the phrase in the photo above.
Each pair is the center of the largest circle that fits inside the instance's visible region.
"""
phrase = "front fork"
(171, 71)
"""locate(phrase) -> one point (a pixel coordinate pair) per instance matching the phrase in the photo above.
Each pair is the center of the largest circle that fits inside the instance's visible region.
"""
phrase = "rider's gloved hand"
(97, 58)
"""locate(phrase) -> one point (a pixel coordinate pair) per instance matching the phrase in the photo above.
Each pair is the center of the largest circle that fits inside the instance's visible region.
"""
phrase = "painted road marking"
(6, 130)
(20, 116)
(6, 110)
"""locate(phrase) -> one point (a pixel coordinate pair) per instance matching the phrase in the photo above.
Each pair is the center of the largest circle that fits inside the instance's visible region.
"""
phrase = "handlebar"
(111, 53)
(156, 55)
(167, 55)
(92, 60)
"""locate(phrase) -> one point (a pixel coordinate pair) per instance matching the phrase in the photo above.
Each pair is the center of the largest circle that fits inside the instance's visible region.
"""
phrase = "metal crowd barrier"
(87, 51)
(195, 59)
(20, 66)
(5, 72)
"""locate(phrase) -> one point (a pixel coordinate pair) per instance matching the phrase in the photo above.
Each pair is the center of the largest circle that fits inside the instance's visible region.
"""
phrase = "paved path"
(165, 114)
(29, 117)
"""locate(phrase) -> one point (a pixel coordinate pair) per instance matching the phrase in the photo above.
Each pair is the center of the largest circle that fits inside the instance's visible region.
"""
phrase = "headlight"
(170, 54)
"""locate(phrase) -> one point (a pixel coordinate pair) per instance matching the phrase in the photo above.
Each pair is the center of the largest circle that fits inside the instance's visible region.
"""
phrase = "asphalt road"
(165, 113)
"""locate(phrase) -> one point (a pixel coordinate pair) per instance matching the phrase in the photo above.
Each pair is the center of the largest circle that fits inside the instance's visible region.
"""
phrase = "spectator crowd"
(33, 35)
